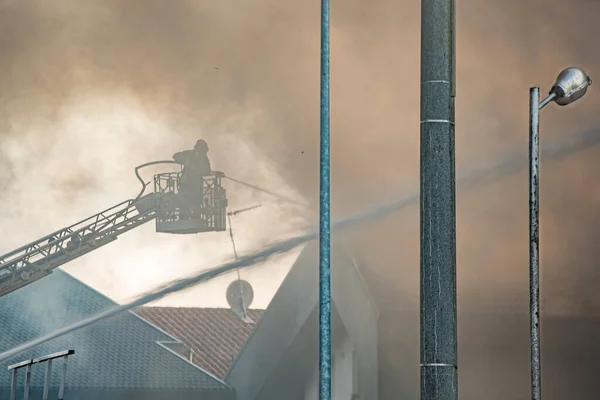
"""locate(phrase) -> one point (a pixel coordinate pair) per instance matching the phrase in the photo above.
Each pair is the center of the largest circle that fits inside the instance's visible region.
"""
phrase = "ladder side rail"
(88, 237)
(68, 230)
(57, 239)
(90, 234)
(25, 272)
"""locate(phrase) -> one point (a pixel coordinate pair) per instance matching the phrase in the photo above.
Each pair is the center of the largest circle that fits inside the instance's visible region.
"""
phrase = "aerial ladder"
(176, 209)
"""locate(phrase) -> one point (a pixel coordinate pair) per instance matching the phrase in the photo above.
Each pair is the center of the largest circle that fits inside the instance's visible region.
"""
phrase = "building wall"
(344, 382)
(282, 354)
(360, 319)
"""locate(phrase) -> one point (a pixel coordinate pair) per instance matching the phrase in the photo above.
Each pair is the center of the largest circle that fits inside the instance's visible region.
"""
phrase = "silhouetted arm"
(182, 157)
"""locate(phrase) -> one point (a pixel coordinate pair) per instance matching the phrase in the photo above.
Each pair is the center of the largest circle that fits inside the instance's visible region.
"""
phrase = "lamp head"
(571, 85)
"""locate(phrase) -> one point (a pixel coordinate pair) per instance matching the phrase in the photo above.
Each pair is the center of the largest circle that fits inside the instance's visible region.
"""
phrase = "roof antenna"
(239, 293)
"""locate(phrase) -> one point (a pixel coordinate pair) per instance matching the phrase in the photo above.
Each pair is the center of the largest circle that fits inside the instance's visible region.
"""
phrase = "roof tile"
(215, 335)
(119, 353)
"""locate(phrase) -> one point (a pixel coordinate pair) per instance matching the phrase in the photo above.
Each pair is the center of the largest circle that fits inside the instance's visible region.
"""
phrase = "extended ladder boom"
(37, 259)
(201, 207)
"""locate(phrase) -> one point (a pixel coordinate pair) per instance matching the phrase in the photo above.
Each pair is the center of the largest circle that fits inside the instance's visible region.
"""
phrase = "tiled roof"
(216, 335)
(119, 353)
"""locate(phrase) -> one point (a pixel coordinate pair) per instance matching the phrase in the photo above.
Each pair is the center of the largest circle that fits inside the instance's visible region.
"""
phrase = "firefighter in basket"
(196, 166)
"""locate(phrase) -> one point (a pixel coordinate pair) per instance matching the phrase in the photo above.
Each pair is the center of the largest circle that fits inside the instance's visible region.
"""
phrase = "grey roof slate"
(116, 354)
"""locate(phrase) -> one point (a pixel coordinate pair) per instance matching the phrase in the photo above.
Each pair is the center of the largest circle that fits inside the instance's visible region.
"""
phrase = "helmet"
(201, 146)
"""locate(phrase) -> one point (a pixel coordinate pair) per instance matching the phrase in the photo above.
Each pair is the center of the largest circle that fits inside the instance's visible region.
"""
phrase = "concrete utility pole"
(439, 378)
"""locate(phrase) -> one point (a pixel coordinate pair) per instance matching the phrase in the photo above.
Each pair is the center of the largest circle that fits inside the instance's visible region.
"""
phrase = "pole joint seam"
(438, 365)
(437, 121)
(436, 81)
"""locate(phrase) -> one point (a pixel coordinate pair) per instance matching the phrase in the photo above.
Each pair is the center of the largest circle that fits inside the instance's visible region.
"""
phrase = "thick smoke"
(87, 94)
(88, 90)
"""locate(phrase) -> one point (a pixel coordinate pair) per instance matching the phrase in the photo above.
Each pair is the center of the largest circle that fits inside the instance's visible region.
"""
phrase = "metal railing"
(190, 209)
(37, 259)
(28, 364)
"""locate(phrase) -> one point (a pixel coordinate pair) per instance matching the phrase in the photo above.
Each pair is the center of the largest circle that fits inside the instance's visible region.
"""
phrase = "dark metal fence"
(28, 365)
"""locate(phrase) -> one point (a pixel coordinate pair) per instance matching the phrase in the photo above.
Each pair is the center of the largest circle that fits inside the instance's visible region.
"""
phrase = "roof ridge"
(80, 282)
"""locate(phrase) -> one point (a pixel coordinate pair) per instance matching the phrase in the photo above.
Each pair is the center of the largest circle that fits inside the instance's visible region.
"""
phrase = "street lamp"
(571, 85)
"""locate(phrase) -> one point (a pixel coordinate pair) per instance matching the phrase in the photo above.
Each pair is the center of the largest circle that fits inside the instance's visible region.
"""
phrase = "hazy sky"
(89, 90)
(88, 167)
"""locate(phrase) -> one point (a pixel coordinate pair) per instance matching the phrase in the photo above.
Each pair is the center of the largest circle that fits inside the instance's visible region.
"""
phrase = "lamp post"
(571, 85)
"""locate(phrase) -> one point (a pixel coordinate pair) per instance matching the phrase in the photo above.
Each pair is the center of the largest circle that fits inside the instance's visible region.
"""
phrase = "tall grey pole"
(534, 241)
(571, 85)
(439, 376)
(325, 215)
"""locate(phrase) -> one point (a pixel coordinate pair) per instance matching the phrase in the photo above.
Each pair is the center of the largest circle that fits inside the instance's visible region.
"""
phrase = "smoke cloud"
(88, 90)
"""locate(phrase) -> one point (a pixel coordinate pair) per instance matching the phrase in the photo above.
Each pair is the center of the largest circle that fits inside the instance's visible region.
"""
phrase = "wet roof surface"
(118, 353)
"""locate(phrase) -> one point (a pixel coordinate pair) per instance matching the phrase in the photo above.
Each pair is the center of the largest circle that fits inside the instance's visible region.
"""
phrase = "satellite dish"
(239, 296)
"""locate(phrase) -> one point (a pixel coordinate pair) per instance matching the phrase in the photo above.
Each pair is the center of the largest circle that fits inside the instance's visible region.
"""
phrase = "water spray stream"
(553, 150)
(284, 198)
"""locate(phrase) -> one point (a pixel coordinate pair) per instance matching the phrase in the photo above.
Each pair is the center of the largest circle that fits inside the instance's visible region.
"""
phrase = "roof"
(123, 352)
(215, 335)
